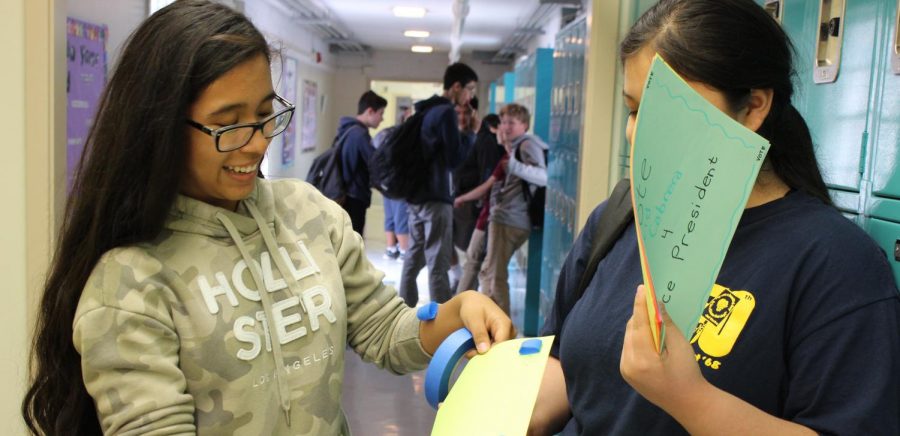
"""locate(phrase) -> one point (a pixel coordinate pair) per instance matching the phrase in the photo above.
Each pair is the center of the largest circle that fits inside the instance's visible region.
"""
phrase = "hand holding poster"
(692, 171)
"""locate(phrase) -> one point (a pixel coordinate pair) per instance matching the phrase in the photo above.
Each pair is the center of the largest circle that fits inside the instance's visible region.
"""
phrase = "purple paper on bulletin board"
(86, 58)
(289, 92)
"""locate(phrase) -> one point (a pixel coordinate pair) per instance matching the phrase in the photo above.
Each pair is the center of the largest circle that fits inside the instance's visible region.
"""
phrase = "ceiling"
(488, 24)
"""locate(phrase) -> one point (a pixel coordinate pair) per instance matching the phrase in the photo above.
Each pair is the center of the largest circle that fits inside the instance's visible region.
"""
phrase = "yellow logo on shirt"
(723, 319)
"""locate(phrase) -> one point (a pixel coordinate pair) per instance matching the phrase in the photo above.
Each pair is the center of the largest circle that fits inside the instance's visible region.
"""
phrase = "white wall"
(300, 44)
(13, 371)
(355, 73)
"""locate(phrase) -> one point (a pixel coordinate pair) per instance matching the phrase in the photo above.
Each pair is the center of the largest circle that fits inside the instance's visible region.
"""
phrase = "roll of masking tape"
(437, 376)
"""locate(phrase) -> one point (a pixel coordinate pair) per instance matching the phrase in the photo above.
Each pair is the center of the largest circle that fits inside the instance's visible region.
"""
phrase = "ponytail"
(791, 153)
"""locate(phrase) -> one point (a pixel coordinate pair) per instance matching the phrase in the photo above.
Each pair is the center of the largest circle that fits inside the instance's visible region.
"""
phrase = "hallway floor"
(379, 403)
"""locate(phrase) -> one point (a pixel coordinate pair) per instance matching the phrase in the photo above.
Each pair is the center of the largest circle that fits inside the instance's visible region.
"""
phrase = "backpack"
(536, 199)
(613, 220)
(398, 167)
(326, 172)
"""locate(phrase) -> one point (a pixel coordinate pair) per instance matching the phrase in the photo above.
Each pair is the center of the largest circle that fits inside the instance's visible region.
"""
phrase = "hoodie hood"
(346, 123)
(194, 216)
(529, 137)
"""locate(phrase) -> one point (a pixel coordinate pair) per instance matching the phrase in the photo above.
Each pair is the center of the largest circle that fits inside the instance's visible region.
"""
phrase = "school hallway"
(378, 403)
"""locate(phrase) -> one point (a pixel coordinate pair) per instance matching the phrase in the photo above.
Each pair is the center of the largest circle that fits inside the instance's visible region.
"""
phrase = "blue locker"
(534, 78)
(563, 135)
(492, 99)
(836, 112)
(883, 206)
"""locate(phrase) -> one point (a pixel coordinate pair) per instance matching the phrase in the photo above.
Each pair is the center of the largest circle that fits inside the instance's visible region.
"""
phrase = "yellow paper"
(495, 393)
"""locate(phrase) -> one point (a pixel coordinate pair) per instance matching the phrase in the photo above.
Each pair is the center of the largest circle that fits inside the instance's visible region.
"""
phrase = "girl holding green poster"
(801, 332)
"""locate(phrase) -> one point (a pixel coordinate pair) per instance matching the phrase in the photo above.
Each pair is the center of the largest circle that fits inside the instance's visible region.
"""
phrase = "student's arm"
(129, 349)
(532, 167)
(474, 311)
(551, 410)
(381, 328)
(476, 193)
(673, 382)
(529, 173)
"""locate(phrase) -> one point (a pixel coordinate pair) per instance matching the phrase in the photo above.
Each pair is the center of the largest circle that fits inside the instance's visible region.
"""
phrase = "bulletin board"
(86, 77)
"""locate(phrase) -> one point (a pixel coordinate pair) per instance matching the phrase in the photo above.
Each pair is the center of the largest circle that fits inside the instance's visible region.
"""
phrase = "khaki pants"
(503, 241)
(474, 257)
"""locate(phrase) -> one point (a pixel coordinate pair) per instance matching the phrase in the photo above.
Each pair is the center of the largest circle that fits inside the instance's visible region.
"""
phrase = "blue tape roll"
(437, 376)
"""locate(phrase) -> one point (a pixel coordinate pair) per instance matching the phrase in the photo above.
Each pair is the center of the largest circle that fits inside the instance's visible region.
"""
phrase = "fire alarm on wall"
(318, 57)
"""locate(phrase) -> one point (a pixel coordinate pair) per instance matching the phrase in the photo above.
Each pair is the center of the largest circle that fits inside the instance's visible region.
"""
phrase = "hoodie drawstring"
(284, 393)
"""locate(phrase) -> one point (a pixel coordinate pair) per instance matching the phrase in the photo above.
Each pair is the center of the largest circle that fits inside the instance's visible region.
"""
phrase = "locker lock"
(897, 250)
(831, 28)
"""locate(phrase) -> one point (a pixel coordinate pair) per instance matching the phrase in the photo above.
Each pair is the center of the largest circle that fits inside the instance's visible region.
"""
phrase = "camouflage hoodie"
(176, 337)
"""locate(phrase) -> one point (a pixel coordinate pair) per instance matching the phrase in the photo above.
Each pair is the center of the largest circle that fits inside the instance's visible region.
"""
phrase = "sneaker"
(392, 253)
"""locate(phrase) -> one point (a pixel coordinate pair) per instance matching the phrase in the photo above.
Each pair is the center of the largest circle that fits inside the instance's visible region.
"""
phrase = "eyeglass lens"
(238, 137)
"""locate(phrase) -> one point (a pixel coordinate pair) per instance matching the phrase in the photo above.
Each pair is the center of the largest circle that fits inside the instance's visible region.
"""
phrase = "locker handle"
(897, 250)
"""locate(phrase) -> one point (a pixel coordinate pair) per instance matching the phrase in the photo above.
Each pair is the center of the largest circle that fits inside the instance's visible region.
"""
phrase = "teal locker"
(534, 78)
(509, 87)
(885, 129)
(492, 99)
(883, 206)
(836, 112)
(563, 135)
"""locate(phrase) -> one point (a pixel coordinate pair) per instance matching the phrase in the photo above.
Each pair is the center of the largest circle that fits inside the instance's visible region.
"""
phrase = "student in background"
(448, 143)
(396, 219)
(509, 223)
(356, 153)
(187, 295)
(465, 178)
(487, 152)
(818, 352)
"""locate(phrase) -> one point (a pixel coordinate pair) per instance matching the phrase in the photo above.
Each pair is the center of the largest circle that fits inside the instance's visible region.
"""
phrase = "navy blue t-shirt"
(803, 323)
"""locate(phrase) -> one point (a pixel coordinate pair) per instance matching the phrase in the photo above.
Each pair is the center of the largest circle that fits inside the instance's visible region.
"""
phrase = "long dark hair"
(126, 182)
(735, 46)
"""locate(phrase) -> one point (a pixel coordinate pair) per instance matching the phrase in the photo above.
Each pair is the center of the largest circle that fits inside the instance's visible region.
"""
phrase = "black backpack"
(613, 221)
(399, 167)
(326, 172)
(535, 200)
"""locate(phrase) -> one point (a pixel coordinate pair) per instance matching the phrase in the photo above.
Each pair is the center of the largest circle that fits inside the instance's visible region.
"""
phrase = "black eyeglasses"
(235, 136)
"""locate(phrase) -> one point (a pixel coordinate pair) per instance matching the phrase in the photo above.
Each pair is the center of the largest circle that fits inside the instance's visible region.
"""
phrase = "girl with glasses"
(187, 295)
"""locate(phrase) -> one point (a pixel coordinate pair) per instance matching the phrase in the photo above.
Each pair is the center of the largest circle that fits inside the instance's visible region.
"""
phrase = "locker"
(885, 130)
(533, 82)
(837, 111)
(565, 119)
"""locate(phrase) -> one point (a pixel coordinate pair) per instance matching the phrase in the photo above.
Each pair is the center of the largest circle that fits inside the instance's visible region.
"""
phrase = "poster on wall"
(310, 103)
(289, 93)
(86, 76)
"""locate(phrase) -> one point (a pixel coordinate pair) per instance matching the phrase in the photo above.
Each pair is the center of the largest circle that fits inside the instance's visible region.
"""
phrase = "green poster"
(692, 170)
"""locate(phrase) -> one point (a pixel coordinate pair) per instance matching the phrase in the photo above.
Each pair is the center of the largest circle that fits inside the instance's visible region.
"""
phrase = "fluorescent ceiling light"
(422, 49)
(409, 12)
(417, 33)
